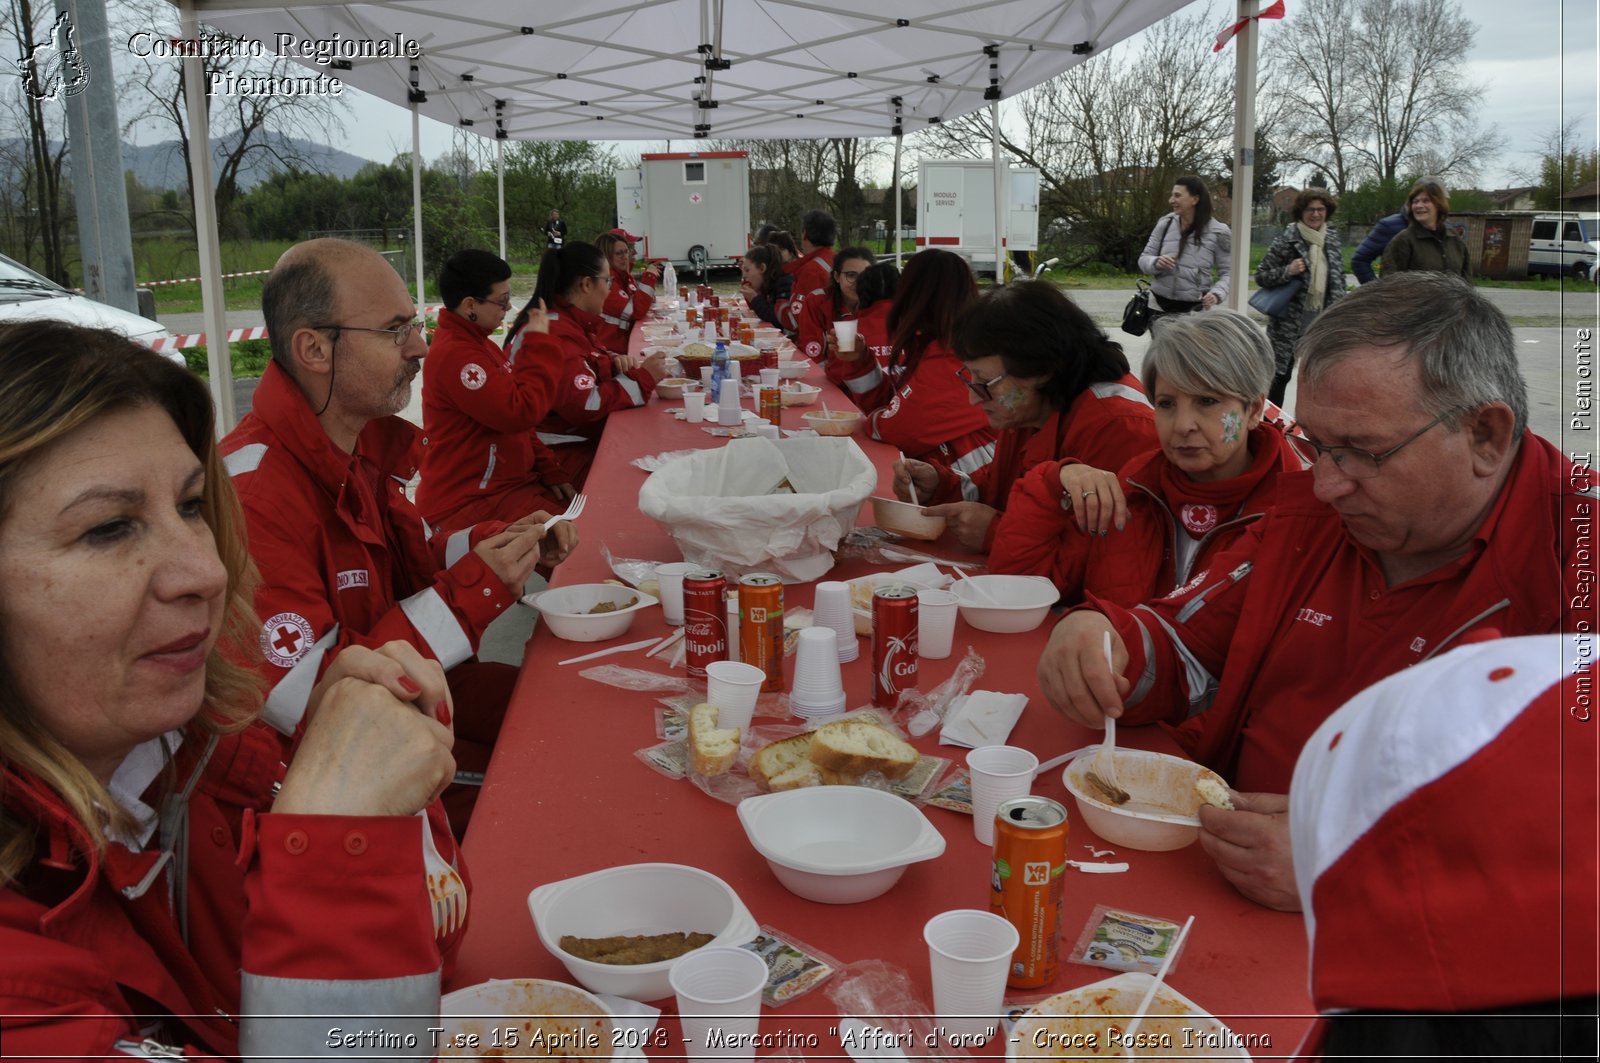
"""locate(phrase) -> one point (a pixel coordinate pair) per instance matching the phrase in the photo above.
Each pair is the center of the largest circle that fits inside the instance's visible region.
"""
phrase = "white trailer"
(955, 209)
(691, 208)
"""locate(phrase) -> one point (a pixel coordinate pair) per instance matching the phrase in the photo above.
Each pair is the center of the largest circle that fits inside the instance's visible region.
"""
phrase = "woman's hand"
(1209, 300)
(656, 366)
(396, 666)
(1166, 262)
(830, 349)
(538, 320)
(1297, 267)
(967, 522)
(910, 471)
(1095, 498)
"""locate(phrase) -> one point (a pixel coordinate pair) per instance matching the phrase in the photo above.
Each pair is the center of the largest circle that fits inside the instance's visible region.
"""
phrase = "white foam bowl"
(567, 610)
(800, 394)
(838, 844)
(833, 423)
(904, 519)
(1044, 1030)
(636, 899)
(673, 387)
(1162, 810)
(792, 370)
(568, 1020)
(1024, 601)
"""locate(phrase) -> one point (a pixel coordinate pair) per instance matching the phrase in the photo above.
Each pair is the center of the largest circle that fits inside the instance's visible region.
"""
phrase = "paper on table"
(982, 718)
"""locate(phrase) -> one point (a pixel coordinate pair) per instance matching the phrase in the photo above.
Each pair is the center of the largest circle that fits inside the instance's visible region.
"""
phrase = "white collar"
(133, 777)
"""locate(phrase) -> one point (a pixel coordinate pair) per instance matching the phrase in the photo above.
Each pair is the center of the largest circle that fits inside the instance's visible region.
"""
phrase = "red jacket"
(628, 302)
(480, 457)
(872, 330)
(812, 272)
(285, 915)
(817, 314)
(344, 555)
(926, 414)
(1281, 600)
(1037, 537)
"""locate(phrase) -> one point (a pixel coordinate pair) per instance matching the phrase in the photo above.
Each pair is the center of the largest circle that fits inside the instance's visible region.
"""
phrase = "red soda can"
(894, 643)
(761, 626)
(683, 292)
(714, 299)
(769, 353)
(705, 621)
(1025, 884)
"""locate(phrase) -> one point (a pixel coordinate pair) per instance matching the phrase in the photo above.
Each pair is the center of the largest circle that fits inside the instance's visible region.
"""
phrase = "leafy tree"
(576, 177)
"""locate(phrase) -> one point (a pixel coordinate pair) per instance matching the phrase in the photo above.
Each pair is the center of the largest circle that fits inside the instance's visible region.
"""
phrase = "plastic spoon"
(1103, 776)
(910, 481)
(976, 589)
(1155, 983)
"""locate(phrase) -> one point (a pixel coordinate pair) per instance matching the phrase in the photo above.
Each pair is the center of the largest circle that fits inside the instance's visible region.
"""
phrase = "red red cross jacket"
(344, 555)
(480, 457)
(812, 272)
(627, 303)
(214, 930)
(817, 314)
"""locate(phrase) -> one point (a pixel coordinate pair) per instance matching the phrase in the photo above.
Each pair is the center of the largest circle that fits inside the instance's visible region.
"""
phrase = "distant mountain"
(162, 166)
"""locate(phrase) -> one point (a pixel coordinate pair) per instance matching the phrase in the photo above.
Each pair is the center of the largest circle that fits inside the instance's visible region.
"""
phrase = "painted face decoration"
(1232, 426)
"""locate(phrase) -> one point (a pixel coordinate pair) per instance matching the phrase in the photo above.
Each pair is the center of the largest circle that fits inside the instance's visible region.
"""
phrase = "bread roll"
(851, 748)
(712, 750)
(785, 764)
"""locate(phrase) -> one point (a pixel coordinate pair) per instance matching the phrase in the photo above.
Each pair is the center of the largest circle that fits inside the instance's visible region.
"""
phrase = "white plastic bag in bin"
(719, 506)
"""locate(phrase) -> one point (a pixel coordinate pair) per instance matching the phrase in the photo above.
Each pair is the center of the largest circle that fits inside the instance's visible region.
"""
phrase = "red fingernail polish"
(441, 713)
(408, 686)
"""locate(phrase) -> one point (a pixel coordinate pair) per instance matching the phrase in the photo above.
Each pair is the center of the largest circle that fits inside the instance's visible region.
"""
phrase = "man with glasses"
(1430, 517)
(321, 463)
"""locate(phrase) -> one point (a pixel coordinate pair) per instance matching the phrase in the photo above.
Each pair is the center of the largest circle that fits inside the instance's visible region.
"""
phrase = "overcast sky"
(1536, 70)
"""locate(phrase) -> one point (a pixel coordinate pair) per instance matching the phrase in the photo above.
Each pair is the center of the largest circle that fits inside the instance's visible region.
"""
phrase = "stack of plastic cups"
(818, 688)
(729, 412)
(832, 610)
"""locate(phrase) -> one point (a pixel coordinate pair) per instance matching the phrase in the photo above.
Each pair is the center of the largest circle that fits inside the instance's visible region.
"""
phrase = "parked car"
(1565, 243)
(29, 296)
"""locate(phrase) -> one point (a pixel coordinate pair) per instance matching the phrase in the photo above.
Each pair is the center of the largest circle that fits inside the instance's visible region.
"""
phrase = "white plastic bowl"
(838, 844)
(834, 422)
(566, 610)
(636, 899)
(1043, 1030)
(564, 1015)
(1024, 602)
(800, 394)
(792, 370)
(904, 519)
(1162, 810)
(673, 387)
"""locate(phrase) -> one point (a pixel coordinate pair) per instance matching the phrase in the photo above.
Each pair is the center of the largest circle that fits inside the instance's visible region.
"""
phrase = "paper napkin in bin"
(982, 718)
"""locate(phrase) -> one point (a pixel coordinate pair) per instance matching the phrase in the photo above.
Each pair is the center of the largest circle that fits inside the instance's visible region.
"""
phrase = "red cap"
(626, 235)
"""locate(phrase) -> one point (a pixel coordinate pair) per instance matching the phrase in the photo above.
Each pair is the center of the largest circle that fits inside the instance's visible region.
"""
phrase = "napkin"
(982, 718)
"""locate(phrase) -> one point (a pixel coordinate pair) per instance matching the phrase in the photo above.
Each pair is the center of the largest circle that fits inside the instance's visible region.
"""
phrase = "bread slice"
(851, 748)
(784, 764)
(712, 750)
(1213, 792)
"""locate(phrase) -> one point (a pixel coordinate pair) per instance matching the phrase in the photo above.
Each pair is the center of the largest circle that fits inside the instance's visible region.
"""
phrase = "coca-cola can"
(705, 624)
(894, 643)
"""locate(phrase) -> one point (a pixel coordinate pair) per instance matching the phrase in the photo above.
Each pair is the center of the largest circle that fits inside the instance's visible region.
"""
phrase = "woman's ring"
(1089, 493)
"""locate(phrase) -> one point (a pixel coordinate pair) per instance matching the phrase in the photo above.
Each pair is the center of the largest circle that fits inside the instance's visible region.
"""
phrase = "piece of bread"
(1213, 792)
(784, 764)
(712, 749)
(851, 748)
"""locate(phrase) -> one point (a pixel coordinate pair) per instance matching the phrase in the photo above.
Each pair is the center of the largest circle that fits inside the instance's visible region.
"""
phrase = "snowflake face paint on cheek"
(1232, 424)
(1012, 399)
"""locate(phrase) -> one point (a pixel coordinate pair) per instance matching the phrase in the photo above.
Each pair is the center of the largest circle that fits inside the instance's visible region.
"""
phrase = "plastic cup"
(832, 609)
(705, 376)
(769, 378)
(768, 430)
(729, 412)
(818, 686)
(999, 773)
(936, 624)
(669, 578)
(719, 993)
(969, 953)
(733, 686)
(694, 406)
(846, 331)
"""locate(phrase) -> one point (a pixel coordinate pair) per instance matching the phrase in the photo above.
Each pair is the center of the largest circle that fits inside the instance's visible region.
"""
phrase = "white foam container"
(489, 1008)
(566, 610)
(1024, 602)
(1150, 779)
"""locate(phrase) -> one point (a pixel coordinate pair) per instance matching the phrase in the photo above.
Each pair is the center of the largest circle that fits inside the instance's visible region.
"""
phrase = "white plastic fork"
(445, 887)
(574, 511)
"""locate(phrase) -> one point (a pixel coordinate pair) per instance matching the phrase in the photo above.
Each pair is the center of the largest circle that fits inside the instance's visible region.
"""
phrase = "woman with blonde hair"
(165, 881)
(1425, 244)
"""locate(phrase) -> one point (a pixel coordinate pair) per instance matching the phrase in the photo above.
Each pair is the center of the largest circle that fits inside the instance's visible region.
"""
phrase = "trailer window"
(694, 173)
(1544, 230)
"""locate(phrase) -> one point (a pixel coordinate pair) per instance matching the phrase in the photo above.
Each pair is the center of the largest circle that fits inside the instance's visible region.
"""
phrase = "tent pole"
(219, 359)
(500, 190)
(416, 203)
(1001, 195)
(1244, 150)
(894, 188)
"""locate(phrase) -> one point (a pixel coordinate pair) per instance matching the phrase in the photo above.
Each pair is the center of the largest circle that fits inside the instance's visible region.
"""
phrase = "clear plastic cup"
(969, 953)
(936, 624)
(831, 608)
(733, 686)
(719, 993)
(669, 578)
(846, 331)
(694, 406)
(999, 773)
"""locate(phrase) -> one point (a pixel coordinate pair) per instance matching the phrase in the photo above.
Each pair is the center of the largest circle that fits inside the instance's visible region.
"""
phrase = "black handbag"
(1136, 316)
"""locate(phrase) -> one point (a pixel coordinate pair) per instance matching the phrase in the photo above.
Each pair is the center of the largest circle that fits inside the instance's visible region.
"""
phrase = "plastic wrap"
(882, 547)
(881, 995)
(615, 675)
(920, 713)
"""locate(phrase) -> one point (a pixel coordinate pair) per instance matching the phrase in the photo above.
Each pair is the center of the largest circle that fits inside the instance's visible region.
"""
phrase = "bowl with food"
(833, 422)
(522, 1016)
(1164, 798)
(696, 353)
(589, 612)
(618, 930)
(800, 394)
(673, 387)
(1091, 1022)
(905, 520)
(1004, 604)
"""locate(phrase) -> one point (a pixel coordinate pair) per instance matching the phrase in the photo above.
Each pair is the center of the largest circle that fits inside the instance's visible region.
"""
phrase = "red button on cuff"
(355, 843)
(219, 835)
(296, 842)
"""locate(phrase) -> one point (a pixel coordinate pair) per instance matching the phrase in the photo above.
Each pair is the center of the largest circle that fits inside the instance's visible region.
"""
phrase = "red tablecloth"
(565, 795)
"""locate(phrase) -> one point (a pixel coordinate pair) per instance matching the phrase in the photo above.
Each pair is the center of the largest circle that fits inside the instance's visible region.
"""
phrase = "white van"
(29, 296)
(1566, 243)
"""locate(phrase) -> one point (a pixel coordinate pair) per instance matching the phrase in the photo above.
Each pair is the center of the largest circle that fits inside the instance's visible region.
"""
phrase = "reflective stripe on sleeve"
(969, 490)
(592, 403)
(246, 459)
(631, 386)
(974, 459)
(299, 1018)
(865, 382)
(438, 626)
(1201, 682)
(1119, 391)
(488, 472)
(456, 547)
(286, 704)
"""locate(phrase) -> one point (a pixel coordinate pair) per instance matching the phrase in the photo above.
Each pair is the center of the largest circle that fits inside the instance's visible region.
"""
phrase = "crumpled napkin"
(982, 718)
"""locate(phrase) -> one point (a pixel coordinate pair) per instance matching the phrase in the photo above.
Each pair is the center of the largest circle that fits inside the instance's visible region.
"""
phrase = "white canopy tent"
(671, 69)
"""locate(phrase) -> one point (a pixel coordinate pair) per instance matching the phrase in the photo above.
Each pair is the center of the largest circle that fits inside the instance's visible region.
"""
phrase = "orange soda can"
(747, 334)
(1025, 884)
(761, 626)
(692, 315)
(770, 405)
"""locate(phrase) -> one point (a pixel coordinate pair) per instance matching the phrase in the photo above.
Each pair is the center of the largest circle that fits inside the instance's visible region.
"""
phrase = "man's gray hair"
(1220, 351)
(300, 292)
(1460, 341)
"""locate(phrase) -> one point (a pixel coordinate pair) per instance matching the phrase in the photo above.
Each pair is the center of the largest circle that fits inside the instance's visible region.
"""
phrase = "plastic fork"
(1103, 776)
(574, 511)
(445, 888)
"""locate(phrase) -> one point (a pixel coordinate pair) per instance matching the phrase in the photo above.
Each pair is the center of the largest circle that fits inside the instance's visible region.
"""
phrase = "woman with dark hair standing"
(573, 283)
(1188, 252)
(837, 303)
(1055, 388)
(915, 403)
(1309, 250)
(1426, 244)
(759, 273)
(480, 457)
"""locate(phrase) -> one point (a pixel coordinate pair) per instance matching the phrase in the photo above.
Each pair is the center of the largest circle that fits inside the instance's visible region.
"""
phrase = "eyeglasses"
(980, 388)
(1354, 462)
(850, 274)
(504, 303)
(401, 334)
(1315, 210)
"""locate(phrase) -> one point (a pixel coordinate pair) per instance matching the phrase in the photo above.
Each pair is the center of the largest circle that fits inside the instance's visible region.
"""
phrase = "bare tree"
(1313, 90)
(32, 167)
(787, 178)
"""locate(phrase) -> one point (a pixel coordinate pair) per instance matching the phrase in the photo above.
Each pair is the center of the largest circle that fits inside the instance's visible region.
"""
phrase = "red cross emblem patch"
(286, 638)
(473, 377)
(583, 382)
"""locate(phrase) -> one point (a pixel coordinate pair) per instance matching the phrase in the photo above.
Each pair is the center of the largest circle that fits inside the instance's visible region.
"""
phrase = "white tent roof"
(641, 69)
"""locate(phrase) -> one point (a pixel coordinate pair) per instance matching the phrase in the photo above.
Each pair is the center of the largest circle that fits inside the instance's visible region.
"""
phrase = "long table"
(564, 795)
